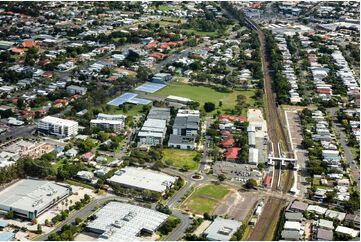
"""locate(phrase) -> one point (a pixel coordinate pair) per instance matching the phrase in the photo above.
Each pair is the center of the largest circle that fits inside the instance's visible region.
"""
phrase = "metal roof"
(222, 229)
(122, 222)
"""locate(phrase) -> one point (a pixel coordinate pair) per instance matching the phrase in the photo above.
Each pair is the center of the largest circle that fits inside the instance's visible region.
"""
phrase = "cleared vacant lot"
(203, 94)
(180, 158)
(205, 198)
(237, 205)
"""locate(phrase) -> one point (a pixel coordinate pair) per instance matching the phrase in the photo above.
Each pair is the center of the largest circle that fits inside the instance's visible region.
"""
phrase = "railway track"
(272, 209)
(273, 206)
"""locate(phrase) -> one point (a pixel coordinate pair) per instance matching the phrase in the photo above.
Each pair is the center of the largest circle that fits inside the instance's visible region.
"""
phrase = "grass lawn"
(203, 94)
(180, 158)
(205, 198)
(133, 110)
(355, 151)
(200, 33)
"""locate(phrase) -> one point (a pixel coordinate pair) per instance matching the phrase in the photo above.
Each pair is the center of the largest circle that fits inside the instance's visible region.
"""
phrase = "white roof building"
(345, 230)
(292, 225)
(29, 198)
(140, 178)
(332, 214)
(222, 229)
(123, 222)
(317, 209)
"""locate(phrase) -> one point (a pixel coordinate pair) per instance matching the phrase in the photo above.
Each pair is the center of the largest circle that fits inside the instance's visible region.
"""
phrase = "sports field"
(203, 94)
(180, 158)
(205, 198)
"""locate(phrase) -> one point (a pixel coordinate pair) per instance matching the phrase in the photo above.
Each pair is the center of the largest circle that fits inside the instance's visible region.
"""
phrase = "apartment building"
(56, 126)
(106, 121)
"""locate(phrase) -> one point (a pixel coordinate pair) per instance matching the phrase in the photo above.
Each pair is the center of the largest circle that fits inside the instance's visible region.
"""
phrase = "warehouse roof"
(142, 178)
(222, 229)
(123, 222)
(31, 195)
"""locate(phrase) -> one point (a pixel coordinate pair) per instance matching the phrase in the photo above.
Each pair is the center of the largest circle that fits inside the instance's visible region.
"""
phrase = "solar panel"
(122, 99)
(129, 98)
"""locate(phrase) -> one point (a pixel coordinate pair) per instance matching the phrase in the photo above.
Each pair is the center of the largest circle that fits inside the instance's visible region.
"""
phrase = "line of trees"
(280, 84)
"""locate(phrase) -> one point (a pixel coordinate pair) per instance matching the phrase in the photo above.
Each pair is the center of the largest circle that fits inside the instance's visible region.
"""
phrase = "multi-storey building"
(57, 126)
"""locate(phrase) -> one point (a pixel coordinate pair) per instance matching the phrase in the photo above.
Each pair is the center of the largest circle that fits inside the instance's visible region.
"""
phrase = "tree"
(261, 166)
(251, 184)
(9, 215)
(78, 221)
(209, 107)
(221, 177)
(20, 103)
(206, 216)
(144, 73)
(54, 237)
(46, 222)
(39, 230)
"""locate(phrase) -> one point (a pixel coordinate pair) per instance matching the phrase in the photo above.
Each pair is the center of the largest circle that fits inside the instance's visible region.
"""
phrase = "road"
(347, 152)
(174, 201)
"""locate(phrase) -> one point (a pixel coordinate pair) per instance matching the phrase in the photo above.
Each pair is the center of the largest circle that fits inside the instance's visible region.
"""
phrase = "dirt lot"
(236, 205)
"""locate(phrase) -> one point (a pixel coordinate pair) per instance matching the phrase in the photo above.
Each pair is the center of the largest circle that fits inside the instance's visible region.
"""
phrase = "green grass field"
(200, 33)
(180, 158)
(203, 94)
(133, 110)
(205, 198)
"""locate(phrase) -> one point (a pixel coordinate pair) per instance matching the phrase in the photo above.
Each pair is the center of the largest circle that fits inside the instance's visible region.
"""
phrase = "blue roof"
(3, 223)
(58, 149)
(6, 236)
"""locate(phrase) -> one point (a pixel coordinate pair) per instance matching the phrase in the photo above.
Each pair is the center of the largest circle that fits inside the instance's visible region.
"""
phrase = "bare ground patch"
(236, 205)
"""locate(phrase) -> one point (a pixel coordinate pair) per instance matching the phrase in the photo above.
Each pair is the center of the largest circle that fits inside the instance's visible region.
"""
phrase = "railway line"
(273, 206)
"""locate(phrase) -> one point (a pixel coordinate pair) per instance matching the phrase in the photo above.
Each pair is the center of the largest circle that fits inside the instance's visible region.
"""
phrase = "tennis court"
(128, 97)
(150, 87)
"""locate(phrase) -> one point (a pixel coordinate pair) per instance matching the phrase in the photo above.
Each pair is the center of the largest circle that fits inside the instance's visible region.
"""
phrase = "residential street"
(355, 171)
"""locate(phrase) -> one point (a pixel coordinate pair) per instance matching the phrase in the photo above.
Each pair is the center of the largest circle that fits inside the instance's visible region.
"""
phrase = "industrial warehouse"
(124, 222)
(142, 179)
(29, 198)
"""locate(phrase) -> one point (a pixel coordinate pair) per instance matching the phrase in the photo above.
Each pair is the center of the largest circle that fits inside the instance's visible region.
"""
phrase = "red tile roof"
(151, 45)
(88, 156)
(28, 44)
(17, 50)
(232, 153)
(228, 142)
(157, 55)
(324, 91)
(227, 118)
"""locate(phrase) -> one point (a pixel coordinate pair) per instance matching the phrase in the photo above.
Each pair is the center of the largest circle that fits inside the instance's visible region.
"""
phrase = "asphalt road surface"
(347, 151)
